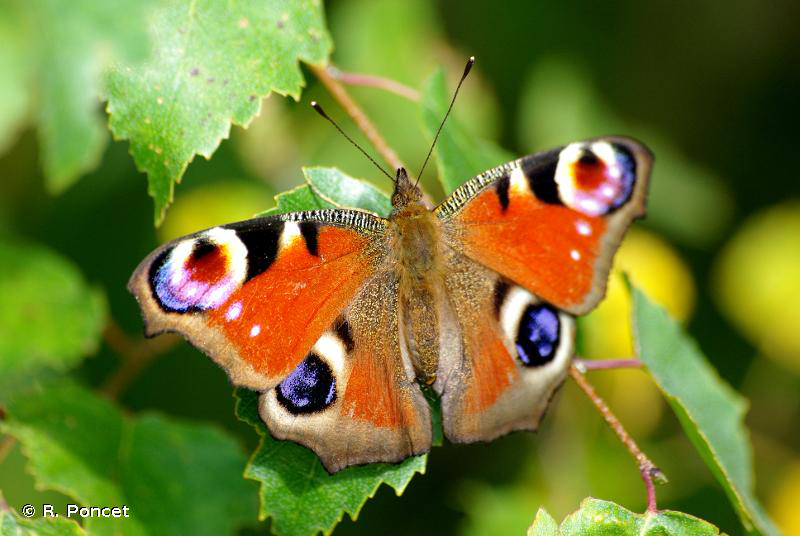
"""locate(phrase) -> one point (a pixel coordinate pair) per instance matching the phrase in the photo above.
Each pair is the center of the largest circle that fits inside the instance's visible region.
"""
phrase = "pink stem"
(604, 364)
(368, 80)
(647, 468)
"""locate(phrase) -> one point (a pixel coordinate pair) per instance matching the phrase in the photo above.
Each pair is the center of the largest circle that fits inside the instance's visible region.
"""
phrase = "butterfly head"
(406, 193)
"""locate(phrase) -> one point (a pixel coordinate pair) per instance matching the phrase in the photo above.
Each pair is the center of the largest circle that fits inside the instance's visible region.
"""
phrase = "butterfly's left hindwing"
(257, 295)
(512, 355)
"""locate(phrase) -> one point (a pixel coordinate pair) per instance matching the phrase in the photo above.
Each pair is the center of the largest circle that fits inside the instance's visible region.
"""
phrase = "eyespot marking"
(202, 248)
(311, 387)
(595, 178)
(199, 273)
(538, 335)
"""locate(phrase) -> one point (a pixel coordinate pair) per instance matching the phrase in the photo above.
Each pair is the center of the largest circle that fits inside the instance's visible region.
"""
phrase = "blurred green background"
(713, 88)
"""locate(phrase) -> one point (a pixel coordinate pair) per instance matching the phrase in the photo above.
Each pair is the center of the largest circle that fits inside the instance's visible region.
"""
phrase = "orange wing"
(257, 295)
(551, 222)
(354, 399)
(297, 307)
(512, 354)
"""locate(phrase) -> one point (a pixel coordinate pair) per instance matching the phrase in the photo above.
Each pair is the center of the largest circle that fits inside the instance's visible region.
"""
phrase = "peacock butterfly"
(338, 316)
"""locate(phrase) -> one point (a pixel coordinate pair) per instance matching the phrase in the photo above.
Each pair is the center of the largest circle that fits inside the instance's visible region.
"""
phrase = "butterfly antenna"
(467, 68)
(321, 112)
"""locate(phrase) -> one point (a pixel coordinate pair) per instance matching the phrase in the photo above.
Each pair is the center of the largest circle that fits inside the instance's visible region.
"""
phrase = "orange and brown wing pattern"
(354, 398)
(257, 295)
(512, 354)
(551, 222)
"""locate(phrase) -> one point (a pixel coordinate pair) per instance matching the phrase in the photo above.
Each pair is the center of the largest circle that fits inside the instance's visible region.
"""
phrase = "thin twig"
(378, 82)
(603, 364)
(647, 468)
(358, 116)
(136, 355)
(5, 446)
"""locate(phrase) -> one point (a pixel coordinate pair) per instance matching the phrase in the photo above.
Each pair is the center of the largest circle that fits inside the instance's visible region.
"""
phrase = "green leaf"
(212, 63)
(604, 518)
(459, 156)
(710, 412)
(296, 200)
(50, 318)
(296, 490)
(175, 478)
(330, 184)
(330, 188)
(543, 525)
(70, 43)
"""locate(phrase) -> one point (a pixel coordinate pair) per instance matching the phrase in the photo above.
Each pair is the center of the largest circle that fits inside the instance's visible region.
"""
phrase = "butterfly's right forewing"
(256, 295)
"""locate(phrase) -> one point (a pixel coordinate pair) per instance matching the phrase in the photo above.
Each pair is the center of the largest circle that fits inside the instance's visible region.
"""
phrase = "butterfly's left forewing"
(551, 222)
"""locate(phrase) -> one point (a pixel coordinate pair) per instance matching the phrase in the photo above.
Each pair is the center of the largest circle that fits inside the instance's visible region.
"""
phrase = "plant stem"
(5, 446)
(603, 364)
(368, 80)
(647, 468)
(358, 116)
(136, 355)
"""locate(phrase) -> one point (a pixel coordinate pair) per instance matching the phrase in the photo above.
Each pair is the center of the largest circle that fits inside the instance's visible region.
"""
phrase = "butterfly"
(339, 317)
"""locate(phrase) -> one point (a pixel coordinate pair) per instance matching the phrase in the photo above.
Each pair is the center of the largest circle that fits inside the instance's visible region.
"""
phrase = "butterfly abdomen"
(416, 245)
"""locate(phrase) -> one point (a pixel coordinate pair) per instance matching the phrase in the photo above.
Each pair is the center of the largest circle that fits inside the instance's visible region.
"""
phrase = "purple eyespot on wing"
(311, 387)
(538, 335)
(200, 273)
(595, 178)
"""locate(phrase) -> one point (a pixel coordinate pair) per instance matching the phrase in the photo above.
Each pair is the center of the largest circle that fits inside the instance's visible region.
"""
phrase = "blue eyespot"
(537, 335)
(627, 164)
(311, 387)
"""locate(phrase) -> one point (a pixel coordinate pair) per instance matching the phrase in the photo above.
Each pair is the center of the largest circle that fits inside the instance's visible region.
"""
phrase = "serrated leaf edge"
(215, 142)
(748, 520)
(262, 432)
